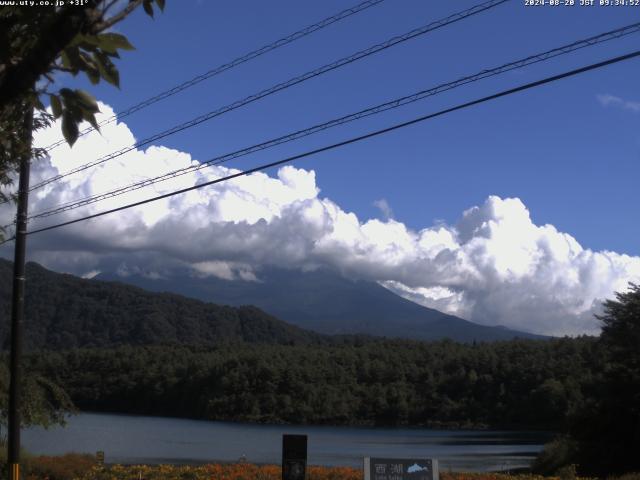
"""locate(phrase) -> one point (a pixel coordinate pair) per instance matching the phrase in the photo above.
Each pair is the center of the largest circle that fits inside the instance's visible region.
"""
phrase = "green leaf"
(56, 106)
(89, 67)
(66, 62)
(94, 76)
(89, 39)
(74, 61)
(91, 118)
(70, 60)
(148, 8)
(86, 42)
(110, 42)
(87, 101)
(90, 47)
(69, 128)
(160, 4)
(75, 41)
(38, 104)
(107, 69)
(66, 94)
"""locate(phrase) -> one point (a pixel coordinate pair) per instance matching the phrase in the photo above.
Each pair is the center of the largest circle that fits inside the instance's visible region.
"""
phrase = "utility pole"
(17, 302)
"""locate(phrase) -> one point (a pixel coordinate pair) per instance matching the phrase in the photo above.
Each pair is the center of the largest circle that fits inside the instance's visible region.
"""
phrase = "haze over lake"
(138, 439)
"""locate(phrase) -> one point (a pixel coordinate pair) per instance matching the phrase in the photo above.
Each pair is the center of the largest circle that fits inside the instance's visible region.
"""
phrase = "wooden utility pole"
(17, 302)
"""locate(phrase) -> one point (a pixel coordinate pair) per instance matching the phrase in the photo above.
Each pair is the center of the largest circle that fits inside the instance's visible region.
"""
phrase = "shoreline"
(435, 426)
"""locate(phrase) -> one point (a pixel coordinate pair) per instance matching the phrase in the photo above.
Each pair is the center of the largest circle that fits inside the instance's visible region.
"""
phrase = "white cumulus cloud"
(494, 266)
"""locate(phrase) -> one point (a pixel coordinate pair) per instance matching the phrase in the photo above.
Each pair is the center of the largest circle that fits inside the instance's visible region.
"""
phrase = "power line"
(532, 59)
(456, 17)
(376, 133)
(233, 63)
(281, 86)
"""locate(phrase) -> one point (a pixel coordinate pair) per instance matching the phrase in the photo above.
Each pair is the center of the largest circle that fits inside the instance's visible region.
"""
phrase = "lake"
(139, 439)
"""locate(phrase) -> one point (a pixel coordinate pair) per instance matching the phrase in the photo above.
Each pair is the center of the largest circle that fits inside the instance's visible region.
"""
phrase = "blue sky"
(572, 161)
(519, 212)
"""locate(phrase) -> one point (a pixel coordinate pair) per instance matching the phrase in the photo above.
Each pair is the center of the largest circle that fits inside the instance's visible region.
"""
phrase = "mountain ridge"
(286, 307)
(64, 311)
(328, 303)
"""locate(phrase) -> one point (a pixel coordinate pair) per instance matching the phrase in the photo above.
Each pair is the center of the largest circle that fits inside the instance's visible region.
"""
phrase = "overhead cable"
(530, 60)
(360, 138)
(456, 17)
(229, 65)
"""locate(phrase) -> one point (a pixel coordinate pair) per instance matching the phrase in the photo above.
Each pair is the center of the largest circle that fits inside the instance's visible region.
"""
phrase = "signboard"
(400, 469)
(294, 457)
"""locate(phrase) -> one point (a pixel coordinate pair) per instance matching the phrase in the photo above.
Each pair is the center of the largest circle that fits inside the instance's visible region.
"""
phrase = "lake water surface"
(139, 439)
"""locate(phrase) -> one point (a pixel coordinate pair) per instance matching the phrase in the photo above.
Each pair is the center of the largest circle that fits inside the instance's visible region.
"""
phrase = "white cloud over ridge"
(495, 266)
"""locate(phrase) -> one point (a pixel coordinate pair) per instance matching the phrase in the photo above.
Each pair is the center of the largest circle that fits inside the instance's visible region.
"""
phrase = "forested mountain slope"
(326, 302)
(63, 311)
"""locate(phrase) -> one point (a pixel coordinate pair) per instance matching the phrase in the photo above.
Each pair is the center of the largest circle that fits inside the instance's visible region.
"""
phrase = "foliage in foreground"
(39, 43)
(65, 467)
(557, 454)
(75, 466)
(603, 435)
(247, 471)
(43, 402)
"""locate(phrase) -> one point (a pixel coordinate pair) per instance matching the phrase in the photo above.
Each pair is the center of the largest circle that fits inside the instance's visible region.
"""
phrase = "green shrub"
(556, 458)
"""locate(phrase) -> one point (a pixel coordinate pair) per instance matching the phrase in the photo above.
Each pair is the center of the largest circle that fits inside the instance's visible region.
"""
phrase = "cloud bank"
(494, 266)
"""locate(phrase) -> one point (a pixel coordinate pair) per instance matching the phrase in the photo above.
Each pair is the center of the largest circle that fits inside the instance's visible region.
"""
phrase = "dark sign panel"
(294, 457)
(400, 469)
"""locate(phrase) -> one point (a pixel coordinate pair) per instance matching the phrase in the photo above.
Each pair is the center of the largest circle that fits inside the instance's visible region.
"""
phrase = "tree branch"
(59, 68)
(102, 26)
(108, 6)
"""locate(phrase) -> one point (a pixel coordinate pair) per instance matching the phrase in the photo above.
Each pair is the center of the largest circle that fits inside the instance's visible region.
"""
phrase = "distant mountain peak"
(328, 302)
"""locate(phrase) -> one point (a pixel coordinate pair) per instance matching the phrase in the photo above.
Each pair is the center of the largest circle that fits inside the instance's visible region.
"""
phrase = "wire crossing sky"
(486, 73)
(423, 118)
(227, 66)
(391, 42)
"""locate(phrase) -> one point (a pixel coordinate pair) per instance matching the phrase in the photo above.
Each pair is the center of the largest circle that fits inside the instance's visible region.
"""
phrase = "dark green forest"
(580, 388)
(532, 384)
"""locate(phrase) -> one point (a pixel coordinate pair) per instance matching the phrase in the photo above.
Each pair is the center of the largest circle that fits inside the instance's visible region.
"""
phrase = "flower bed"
(83, 467)
(247, 471)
